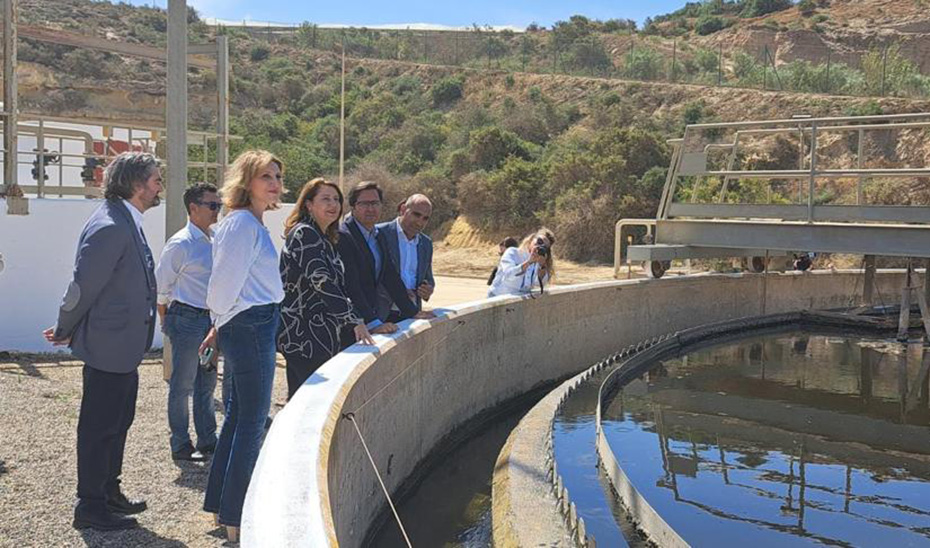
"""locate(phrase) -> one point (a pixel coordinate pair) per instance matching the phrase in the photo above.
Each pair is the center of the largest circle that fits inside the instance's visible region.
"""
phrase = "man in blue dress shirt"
(182, 275)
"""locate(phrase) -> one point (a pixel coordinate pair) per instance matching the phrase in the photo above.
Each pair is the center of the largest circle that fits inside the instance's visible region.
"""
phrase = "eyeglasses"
(368, 203)
(214, 206)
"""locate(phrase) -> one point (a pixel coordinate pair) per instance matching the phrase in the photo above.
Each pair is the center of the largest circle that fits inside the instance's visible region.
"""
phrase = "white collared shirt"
(135, 213)
(183, 271)
(510, 277)
(245, 267)
(408, 257)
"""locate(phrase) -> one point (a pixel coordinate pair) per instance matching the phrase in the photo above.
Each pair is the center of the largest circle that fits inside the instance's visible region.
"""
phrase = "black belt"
(201, 311)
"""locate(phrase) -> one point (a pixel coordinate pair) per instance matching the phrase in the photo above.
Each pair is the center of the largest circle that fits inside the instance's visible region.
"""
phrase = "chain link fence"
(885, 69)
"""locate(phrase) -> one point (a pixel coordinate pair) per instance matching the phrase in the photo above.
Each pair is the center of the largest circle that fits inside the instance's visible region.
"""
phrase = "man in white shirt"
(410, 250)
(182, 275)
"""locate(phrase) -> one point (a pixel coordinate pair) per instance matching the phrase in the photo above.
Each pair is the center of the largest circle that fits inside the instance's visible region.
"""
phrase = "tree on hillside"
(758, 8)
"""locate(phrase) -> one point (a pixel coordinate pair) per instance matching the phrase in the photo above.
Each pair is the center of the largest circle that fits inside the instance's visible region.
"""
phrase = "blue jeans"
(186, 330)
(248, 345)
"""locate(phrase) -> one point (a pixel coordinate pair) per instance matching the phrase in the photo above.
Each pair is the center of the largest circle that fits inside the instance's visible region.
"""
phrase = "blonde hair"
(235, 191)
(527, 244)
(300, 214)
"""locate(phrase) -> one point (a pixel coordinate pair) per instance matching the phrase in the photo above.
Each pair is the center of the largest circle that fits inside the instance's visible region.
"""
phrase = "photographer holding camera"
(525, 267)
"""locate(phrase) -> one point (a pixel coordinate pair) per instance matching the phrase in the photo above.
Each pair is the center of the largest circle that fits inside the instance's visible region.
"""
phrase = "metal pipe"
(859, 166)
(813, 174)
(822, 174)
(810, 121)
(730, 162)
(40, 166)
(618, 239)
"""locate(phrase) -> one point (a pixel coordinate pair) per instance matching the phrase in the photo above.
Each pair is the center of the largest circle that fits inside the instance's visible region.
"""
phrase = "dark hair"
(194, 193)
(300, 214)
(127, 172)
(362, 187)
(509, 241)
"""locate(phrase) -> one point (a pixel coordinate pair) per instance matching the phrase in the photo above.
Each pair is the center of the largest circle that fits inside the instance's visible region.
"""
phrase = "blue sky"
(517, 13)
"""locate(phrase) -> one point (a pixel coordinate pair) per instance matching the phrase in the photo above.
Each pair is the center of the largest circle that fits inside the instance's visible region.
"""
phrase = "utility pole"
(10, 101)
(342, 121)
(176, 117)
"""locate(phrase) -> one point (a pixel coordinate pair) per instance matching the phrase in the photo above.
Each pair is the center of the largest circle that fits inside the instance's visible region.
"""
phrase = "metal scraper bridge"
(700, 214)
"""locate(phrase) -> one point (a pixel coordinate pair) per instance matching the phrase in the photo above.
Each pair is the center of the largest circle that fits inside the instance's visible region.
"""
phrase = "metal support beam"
(84, 41)
(663, 252)
(222, 113)
(791, 212)
(868, 283)
(10, 103)
(176, 117)
(858, 239)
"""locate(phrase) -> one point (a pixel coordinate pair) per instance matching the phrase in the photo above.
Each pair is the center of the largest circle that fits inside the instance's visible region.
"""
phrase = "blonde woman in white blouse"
(243, 296)
(523, 268)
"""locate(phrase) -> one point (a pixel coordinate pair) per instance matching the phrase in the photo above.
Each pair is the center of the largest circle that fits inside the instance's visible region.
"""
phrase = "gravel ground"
(39, 403)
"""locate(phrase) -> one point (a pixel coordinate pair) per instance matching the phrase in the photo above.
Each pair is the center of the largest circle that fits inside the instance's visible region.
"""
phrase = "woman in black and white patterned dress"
(315, 306)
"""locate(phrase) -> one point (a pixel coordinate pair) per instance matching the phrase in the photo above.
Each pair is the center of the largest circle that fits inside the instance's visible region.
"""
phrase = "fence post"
(720, 66)
(765, 67)
(884, 64)
(829, 59)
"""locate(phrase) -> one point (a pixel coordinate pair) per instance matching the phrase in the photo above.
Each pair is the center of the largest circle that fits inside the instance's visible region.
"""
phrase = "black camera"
(541, 247)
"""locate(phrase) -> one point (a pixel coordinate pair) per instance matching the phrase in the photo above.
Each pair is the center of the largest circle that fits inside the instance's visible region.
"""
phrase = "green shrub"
(758, 8)
(709, 24)
(489, 147)
(588, 55)
(447, 91)
(645, 64)
(807, 7)
(259, 52)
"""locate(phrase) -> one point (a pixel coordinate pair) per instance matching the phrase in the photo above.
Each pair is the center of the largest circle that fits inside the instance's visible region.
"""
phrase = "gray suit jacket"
(109, 307)
(388, 231)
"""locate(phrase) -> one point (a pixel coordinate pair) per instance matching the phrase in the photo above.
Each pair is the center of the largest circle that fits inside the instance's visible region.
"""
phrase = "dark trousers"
(108, 407)
(299, 370)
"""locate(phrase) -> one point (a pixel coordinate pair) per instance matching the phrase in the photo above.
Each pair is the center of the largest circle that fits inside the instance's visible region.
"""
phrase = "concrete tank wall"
(314, 485)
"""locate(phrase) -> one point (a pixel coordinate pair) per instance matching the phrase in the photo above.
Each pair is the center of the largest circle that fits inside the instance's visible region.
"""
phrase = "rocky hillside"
(508, 149)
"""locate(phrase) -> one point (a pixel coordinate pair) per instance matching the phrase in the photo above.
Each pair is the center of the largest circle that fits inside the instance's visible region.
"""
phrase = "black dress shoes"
(119, 504)
(207, 449)
(95, 515)
(188, 453)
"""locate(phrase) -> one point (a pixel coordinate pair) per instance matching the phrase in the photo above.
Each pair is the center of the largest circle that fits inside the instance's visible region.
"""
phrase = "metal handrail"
(150, 135)
(811, 127)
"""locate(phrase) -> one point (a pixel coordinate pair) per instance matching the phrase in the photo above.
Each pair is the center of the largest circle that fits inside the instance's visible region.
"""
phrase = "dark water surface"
(451, 506)
(790, 439)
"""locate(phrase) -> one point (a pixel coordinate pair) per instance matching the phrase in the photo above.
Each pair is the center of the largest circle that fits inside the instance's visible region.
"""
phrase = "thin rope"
(404, 370)
(351, 418)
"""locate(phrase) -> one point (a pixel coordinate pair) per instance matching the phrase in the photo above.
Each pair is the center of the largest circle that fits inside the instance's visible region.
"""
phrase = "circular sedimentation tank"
(781, 430)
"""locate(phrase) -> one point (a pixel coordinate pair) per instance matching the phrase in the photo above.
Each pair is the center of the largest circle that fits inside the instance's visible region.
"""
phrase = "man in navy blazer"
(410, 251)
(107, 317)
(364, 255)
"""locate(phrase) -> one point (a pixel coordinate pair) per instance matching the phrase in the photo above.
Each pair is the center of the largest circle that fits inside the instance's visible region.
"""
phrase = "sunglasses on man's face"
(214, 206)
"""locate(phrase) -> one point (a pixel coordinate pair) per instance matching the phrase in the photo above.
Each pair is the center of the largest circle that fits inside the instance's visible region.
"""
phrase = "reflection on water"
(783, 439)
